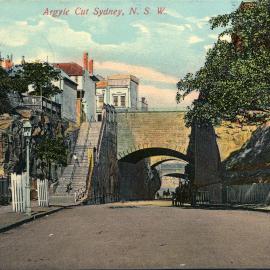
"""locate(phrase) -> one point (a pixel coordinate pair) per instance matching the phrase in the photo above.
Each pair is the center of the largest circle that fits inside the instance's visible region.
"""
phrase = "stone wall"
(104, 183)
(142, 130)
(206, 157)
(139, 130)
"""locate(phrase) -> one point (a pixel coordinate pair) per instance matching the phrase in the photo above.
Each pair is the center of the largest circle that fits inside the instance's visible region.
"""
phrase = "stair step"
(77, 173)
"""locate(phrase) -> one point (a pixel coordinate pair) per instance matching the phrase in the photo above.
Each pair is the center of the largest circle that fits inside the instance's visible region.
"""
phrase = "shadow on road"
(127, 206)
(225, 207)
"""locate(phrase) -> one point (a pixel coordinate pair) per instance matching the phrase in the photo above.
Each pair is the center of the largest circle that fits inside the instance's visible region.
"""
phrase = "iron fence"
(248, 194)
(202, 197)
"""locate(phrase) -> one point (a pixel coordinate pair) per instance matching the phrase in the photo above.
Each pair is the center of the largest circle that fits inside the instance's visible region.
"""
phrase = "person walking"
(76, 160)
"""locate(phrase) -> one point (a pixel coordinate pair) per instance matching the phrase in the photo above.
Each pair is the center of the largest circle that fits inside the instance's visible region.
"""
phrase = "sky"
(157, 48)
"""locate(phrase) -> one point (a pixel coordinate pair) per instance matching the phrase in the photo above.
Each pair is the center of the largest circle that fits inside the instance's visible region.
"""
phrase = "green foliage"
(4, 104)
(8, 84)
(234, 83)
(41, 77)
(11, 83)
(52, 150)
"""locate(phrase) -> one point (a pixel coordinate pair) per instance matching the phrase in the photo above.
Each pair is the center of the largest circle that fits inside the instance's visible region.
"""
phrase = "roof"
(65, 76)
(72, 69)
(94, 78)
(123, 76)
(102, 84)
(247, 4)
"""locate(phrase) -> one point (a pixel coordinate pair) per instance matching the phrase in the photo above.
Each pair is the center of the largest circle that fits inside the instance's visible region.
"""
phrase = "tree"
(234, 83)
(9, 84)
(41, 76)
(51, 150)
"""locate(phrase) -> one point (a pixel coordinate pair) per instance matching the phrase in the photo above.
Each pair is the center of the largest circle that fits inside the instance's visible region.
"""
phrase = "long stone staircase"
(72, 185)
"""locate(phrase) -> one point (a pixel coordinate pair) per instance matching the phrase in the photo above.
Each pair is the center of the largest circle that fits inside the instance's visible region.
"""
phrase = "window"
(123, 101)
(100, 101)
(115, 101)
(80, 93)
(99, 117)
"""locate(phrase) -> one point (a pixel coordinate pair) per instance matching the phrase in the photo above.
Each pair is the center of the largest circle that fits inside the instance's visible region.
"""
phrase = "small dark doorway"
(99, 117)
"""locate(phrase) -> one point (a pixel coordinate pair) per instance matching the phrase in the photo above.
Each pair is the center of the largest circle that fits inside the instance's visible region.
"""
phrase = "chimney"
(23, 60)
(85, 61)
(8, 63)
(91, 66)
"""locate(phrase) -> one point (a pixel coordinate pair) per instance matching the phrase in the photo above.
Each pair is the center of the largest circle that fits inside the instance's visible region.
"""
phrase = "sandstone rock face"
(231, 137)
(251, 163)
(13, 145)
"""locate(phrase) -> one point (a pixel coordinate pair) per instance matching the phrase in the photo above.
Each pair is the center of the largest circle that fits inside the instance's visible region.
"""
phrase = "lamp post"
(27, 129)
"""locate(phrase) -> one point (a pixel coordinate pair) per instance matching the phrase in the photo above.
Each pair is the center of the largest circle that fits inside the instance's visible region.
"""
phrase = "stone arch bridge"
(148, 134)
(145, 134)
(163, 133)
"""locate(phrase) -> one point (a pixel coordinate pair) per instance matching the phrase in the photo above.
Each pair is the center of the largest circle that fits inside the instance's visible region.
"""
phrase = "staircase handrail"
(109, 109)
(103, 125)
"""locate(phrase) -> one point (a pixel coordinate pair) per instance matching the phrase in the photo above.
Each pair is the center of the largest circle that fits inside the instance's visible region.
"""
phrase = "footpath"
(10, 219)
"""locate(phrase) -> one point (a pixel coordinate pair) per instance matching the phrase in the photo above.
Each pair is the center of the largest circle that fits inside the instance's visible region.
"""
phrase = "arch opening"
(176, 175)
(163, 161)
(136, 156)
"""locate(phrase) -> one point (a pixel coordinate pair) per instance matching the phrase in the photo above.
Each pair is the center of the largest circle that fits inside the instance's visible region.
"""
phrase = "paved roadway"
(139, 235)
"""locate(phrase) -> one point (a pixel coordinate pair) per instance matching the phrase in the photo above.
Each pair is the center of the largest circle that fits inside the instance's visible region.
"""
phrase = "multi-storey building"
(84, 77)
(68, 98)
(65, 101)
(119, 90)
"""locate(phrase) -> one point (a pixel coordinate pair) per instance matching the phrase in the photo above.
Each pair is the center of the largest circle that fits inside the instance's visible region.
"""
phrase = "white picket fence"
(42, 190)
(249, 194)
(18, 192)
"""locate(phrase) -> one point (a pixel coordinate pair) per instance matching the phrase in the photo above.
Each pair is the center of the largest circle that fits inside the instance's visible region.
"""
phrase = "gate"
(18, 192)
(42, 190)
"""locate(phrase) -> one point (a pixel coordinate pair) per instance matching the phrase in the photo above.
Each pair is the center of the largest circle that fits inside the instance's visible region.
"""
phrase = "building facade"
(86, 90)
(119, 90)
(67, 98)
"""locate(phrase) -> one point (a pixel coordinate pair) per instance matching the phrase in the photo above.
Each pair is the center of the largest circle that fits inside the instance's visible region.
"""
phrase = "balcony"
(42, 104)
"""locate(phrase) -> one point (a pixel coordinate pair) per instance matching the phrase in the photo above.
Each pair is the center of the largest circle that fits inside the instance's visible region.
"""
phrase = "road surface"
(139, 235)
